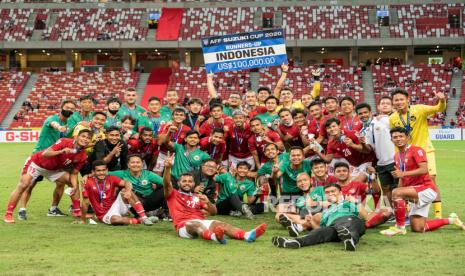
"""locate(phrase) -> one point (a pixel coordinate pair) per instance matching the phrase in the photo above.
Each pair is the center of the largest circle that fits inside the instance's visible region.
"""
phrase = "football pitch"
(51, 246)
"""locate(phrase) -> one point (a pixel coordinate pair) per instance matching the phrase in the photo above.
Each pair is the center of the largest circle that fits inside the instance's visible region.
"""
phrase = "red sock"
(10, 207)
(434, 224)
(378, 219)
(239, 234)
(139, 209)
(400, 211)
(207, 235)
(134, 221)
(76, 204)
(266, 192)
(376, 198)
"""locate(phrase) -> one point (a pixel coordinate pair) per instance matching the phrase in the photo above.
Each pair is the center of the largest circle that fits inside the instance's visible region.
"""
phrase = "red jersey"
(101, 194)
(147, 151)
(329, 179)
(355, 189)
(61, 161)
(213, 150)
(293, 131)
(184, 207)
(176, 137)
(353, 123)
(340, 149)
(257, 110)
(314, 127)
(410, 161)
(206, 128)
(237, 141)
(258, 143)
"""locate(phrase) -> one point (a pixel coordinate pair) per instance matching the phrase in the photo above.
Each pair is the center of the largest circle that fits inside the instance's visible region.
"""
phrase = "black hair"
(330, 98)
(264, 88)
(318, 161)
(215, 105)
(255, 119)
(296, 148)
(112, 128)
(362, 105)
(67, 102)
(195, 100)
(284, 110)
(398, 129)
(399, 91)
(209, 160)
(100, 113)
(129, 117)
(271, 144)
(113, 100)
(332, 184)
(271, 98)
(330, 121)
(386, 97)
(189, 174)
(86, 97)
(191, 132)
(148, 129)
(134, 155)
(179, 110)
(97, 163)
(85, 130)
(298, 111)
(341, 164)
(314, 103)
(243, 163)
(347, 98)
(217, 130)
(154, 99)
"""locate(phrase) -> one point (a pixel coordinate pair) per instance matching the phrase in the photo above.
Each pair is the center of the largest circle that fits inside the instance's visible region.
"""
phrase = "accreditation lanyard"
(191, 122)
(350, 125)
(213, 152)
(177, 136)
(406, 125)
(239, 140)
(155, 124)
(402, 156)
(101, 191)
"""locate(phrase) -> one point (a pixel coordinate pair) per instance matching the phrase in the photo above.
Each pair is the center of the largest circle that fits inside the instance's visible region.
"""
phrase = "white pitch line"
(451, 150)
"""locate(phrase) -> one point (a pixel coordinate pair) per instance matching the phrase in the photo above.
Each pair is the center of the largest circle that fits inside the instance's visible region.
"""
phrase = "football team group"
(313, 161)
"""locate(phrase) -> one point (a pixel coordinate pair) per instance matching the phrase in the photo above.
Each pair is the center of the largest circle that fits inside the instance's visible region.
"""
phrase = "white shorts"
(234, 160)
(425, 198)
(355, 171)
(118, 208)
(160, 165)
(182, 232)
(333, 162)
(35, 171)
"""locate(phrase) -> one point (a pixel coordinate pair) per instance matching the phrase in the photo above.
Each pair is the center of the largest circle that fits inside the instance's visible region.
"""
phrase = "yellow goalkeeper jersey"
(419, 135)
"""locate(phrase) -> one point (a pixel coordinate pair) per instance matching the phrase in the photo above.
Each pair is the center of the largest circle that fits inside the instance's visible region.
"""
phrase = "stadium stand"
(461, 110)
(97, 24)
(421, 81)
(336, 80)
(11, 85)
(13, 24)
(192, 82)
(52, 88)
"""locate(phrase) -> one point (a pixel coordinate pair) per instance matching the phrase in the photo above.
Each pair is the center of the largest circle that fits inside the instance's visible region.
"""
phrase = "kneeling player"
(188, 209)
(51, 163)
(100, 191)
(342, 221)
(416, 186)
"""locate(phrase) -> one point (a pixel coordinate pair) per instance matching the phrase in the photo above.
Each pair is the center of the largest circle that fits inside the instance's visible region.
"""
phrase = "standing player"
(194, 106)
(414, 118)
(130, 108)
(416, 186)
(217, 120)
(349, 120)
(153, 118)
(214, 145)
(237, 139)
(259, 138)
(172, 99)
(174, 131)
(270, 116)
(113, 106)
(53, 129)
(188, 212)
(288, 130)
(146, 146)
(375, 133)
(110, 207)
(86, 103)
(51, 163)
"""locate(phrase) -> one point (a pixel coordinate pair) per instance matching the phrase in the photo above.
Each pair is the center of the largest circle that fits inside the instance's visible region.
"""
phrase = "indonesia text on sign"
(244, 51)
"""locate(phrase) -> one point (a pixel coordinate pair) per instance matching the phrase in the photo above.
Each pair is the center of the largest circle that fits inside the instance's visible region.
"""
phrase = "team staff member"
(86, 103)
(112, 150)
(129, 107)
(414, 118)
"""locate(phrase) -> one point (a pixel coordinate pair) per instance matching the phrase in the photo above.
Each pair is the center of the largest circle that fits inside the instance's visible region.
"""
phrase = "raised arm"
(282, 79)
(167, 186)
(316, 84)
(211, 87)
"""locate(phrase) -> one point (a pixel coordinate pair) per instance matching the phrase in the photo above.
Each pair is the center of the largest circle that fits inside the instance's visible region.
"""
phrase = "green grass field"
(51, 246)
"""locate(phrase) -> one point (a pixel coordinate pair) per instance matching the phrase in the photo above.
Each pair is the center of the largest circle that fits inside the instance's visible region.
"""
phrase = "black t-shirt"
(207, 182)
(103, 148)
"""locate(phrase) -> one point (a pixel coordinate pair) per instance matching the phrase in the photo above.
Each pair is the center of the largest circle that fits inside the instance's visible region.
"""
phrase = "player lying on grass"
(51, 163)
(188, 209)
(101, 191)
(342, 221)
(415, 186)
